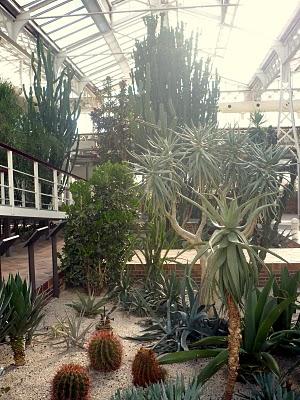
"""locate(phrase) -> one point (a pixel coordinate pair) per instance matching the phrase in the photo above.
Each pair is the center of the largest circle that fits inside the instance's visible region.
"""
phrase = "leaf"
(182, 356)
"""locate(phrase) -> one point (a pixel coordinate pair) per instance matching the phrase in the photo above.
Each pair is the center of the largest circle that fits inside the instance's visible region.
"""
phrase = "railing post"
(2, 183)
(71, 180)
(55, 191)
(36, 185)
(23, 194)
(10, 165)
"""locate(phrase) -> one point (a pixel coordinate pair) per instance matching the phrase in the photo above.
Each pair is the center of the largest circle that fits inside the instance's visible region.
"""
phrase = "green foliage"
(177, 390)
(270, 388)
(261, 313)
(183, 320)
(26, 312)
(10, 114)
(87, 305)
(105, 351)
(170, 85)
(5, 312)
(146, 369)
(286, 287)
(111, 121)
(99, 232)
(71, 382)
(49, 128)
(71, 330)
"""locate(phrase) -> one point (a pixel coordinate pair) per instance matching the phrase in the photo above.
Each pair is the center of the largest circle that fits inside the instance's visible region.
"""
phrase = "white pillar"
(2, 188)
(11, 192)
(36, 185)
(55, 191)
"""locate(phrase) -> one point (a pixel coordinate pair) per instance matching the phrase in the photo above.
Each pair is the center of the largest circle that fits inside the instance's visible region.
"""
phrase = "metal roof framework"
(96, 38)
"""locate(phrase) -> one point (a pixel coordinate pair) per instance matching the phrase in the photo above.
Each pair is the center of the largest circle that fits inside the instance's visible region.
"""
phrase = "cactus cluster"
(71, 382)
(146, 369)
(105, 351)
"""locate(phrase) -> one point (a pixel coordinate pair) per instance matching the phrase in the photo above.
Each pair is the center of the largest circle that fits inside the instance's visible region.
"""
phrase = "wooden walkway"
(18, 261)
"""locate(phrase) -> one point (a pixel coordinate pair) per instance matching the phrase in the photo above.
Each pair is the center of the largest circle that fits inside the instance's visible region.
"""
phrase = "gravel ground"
(33, 381)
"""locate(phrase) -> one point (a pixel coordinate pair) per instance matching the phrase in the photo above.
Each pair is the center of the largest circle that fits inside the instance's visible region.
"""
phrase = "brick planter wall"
(47, 287)
(137, 271)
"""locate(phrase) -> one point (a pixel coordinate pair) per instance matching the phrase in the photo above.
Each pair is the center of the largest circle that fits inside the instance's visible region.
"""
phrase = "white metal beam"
(104, 27)
(270, 67)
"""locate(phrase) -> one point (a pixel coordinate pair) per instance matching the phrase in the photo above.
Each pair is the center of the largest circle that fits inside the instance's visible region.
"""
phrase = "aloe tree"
(231, 192)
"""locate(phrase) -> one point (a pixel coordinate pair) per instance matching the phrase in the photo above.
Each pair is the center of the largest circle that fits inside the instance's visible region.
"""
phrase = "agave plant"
(177, 390)
(286, 287)
(88, 305)
(26, 314)
(71, 331)
(261, 313)
(182, 322)
(5, 312)
(269, 387)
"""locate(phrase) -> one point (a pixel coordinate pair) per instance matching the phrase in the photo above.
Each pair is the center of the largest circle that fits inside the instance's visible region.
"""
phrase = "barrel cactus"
(105, 351)
(71, 382)
(146, 369)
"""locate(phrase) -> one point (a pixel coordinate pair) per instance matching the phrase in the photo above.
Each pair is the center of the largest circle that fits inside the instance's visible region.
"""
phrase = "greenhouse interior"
(149, 200)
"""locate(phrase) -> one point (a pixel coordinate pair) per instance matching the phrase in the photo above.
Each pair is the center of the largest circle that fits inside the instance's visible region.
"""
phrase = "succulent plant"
(26, 314)
(5, 313)
(87, 305)
(105, 351)
(105, 318)
(146, 369)
(177, 390)
(269, 387)
(71, 382)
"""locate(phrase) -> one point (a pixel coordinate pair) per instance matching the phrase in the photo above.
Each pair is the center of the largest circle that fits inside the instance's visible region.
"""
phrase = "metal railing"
(32, 187)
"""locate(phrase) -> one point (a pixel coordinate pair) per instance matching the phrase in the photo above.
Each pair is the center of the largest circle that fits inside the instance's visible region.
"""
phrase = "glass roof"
(100, 43)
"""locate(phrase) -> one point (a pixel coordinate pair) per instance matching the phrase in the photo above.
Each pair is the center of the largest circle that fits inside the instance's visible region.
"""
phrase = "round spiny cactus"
(146, 369)
(105, 351)
(71, 382)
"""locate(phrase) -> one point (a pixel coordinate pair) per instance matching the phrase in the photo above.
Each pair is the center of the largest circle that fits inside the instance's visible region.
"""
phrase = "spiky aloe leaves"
(71, 382)
(146, 369)
(105, 351)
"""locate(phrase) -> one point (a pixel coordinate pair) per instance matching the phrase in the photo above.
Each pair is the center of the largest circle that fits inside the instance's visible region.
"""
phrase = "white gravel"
(33, 381)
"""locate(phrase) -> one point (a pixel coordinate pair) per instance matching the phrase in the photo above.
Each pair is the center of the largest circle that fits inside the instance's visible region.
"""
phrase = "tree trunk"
(18, 348)
(234, 343)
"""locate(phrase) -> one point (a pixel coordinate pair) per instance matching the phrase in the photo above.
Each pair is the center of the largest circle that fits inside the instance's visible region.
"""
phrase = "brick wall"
(47, 287)
(137, 271)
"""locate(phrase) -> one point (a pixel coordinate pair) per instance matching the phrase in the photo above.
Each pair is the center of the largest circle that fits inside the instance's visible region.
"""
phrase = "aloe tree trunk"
(234, 344)
(18, 348)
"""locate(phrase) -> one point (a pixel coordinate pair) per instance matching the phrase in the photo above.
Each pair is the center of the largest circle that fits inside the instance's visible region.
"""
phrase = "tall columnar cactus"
(105, 351)
(171, 86)
(71, 382)
(51, 120)
(146, 369)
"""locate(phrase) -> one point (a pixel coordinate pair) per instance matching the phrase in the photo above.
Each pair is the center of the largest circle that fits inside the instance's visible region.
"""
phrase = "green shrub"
(99, 232)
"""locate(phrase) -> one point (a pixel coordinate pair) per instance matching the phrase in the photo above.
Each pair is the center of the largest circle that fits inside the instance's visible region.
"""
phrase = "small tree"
(100, 227)
(111, 122)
